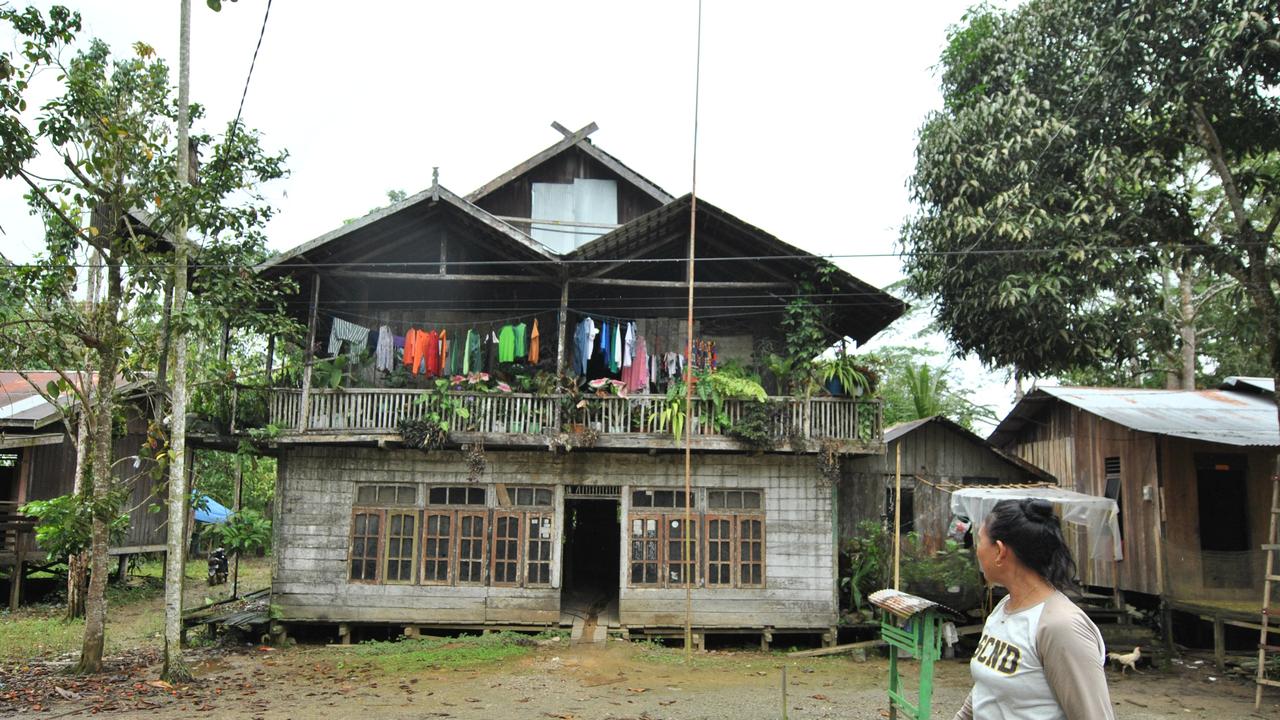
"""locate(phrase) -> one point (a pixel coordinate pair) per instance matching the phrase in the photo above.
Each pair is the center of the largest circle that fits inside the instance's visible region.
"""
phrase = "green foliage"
(948, 576)
(1083, 149)
(215, 474)
(806, 336)
(66, 522)
(758, 424)
(431, 431)
(854, 377)
(338, 371)
(912, 387)
(867, 560)
(245, 532)
(467, 651)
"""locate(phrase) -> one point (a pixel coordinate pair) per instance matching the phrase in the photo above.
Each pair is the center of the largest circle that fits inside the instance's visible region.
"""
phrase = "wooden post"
(235, 508)
(1219, 643)
(15, 584)
(304, 407)
(897, 516)
(562, 322)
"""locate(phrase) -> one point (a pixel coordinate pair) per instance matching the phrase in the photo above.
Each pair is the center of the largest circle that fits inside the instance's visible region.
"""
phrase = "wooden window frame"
(456, 576)
(547, 544)
(518, 517)
(693, 565)
(385, 545)
(735, 559)
(381, 513)
(739, 546)
(731, 543)
(450, 553)
(658, 540)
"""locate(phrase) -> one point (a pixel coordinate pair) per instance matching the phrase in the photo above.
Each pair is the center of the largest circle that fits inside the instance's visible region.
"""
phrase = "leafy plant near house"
(66, 522)
(854, 378)
(245, 532)
(337, 371)
(866, 557)
(431, 431)
(758, 425)
(948, 576)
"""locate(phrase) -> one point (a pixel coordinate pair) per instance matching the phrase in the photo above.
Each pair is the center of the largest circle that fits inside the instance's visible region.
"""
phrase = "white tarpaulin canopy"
(1100, 515)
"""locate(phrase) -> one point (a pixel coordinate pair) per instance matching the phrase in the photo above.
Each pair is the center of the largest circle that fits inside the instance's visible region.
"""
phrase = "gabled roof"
(434, 194)
(867, 309)
(900, 430)
(1217, 416)
(571, 140)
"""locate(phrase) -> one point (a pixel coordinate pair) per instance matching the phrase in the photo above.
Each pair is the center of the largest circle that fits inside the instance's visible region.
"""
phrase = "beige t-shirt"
(1044, 662)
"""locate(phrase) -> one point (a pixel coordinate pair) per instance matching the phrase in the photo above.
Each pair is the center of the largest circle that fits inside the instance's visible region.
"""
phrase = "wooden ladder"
(1264, 644)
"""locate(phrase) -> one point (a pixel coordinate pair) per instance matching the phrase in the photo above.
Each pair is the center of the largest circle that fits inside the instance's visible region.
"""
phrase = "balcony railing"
(525, 419)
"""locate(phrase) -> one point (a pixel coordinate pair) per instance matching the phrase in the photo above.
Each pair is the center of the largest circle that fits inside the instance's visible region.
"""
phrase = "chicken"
(1126, 660)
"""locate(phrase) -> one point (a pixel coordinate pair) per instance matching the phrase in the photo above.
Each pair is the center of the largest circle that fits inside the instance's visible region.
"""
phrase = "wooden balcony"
(524, 420)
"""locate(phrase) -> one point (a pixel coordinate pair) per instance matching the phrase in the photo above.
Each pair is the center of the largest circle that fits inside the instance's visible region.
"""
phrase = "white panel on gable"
(595, 201)
(553, 201)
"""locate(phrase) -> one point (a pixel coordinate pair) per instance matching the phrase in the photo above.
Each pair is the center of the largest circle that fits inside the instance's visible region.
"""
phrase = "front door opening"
(593, 536)
(1223, 493)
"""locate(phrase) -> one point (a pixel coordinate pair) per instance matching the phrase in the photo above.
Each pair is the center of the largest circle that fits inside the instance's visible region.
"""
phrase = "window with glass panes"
(437, 544)
(401, 542)
(366, 528)
(537, 557)
(663, 551)
(735, 530)
(645, 545)
(506, 549)
(471, 541)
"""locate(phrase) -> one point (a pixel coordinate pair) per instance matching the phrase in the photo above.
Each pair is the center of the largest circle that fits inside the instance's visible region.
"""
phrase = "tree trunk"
(77, 567)
(175, 670)
(107, 319)
(1187, 327)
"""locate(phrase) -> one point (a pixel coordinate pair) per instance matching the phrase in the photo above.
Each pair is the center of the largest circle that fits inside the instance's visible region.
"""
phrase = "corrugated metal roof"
(905, 605)
(1217, 416)
(20, 404)
(1241, 382)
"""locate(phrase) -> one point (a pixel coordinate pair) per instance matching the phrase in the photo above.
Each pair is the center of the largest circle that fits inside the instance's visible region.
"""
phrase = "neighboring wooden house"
(38, 462)
(370, 532)
(1191, 471)
(938, 456)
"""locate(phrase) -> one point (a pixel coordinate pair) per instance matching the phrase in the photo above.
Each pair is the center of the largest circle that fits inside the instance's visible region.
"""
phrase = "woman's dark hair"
(1031, 530)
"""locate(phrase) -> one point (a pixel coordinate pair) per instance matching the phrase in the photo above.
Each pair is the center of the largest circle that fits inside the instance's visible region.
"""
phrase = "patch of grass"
(448, 652)
(30, 636)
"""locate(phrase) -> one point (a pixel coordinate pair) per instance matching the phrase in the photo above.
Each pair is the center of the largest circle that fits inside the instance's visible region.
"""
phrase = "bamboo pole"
(691, 568)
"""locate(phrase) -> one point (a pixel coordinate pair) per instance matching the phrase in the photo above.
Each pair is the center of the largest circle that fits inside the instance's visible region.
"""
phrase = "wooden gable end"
(514, 198)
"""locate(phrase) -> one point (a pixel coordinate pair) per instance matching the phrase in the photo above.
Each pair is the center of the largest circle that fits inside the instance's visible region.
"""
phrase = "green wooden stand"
(912, 624)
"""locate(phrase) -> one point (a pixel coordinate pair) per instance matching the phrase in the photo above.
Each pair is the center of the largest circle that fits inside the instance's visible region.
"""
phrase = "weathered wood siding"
(935, 454)
(515, 199)
(1073, 445)
(1185, 562)
(53, 468)
(316, 486)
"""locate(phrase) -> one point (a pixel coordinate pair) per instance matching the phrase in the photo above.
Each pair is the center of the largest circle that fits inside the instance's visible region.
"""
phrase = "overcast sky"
(806, 128)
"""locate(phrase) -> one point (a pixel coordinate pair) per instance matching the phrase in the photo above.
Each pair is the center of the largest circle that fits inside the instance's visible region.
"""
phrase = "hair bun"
(1042, 509)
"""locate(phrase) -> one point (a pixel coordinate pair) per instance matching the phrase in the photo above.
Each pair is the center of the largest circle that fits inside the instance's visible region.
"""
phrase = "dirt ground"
(615, 680)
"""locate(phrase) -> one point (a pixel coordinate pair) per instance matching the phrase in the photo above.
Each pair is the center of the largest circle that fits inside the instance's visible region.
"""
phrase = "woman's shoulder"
(1062, 617)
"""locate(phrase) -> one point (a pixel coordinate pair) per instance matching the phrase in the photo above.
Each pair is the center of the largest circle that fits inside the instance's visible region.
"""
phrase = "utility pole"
(175, 670)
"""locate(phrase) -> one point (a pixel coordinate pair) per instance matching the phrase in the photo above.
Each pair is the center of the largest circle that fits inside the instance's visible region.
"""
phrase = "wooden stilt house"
(545, 504)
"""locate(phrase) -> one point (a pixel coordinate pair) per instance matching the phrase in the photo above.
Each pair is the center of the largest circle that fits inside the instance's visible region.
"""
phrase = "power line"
(249, 77)
(386, 264)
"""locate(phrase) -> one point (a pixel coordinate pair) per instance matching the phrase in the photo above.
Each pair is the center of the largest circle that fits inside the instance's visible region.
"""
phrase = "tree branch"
(91, 185)
(1217, 158)
(49, 203)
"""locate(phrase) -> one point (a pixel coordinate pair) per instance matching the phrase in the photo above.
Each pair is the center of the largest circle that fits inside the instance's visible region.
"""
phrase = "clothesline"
(463, 324)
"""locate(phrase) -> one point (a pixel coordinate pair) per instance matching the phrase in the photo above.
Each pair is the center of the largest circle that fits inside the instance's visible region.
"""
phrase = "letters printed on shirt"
(998, 655)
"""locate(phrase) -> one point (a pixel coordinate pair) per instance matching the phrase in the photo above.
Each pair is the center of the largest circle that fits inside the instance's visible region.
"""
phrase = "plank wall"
(315, 490)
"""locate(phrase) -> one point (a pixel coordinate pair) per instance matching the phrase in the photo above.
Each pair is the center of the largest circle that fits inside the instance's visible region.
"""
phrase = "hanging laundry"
(535, 344)
(490, 350)
(431, 353)
(415, 348)
(629, 345)
(466, 352)
(444, 352)
(615, 359)
(474, 357)
(636, 375)
(522, 349)
(582, 344)
(506, 344)
(385, 353)
(355, 334)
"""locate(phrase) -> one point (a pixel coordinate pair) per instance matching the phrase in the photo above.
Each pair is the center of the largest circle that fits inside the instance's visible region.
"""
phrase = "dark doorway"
(8, 477)
(592, 538)
(1223, 493)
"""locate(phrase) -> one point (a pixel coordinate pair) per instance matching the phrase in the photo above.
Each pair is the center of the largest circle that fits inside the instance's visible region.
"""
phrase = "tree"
(1051, 187)
(912, 387)
(111, 130)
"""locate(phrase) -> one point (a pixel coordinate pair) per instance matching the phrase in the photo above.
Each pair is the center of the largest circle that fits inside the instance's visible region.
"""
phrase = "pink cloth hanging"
(636, 376)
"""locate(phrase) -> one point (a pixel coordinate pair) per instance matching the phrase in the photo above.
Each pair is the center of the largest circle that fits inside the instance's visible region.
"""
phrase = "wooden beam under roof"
(442, 277)
(524, 167)
(613, 164)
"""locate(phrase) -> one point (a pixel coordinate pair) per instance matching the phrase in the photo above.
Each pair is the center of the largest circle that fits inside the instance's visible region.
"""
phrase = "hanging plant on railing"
(431, 431)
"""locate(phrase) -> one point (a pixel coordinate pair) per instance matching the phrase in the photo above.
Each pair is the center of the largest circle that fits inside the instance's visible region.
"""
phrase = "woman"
(1040, 656)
